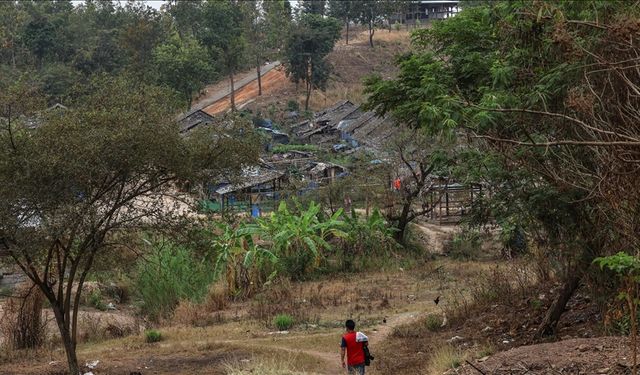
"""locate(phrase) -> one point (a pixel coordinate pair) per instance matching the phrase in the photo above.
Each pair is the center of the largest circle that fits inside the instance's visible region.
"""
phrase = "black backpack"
(367, 355)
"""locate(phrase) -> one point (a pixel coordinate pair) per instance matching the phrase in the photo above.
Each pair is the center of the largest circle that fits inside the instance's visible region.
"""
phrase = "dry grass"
(217, 298)
(353, 62)
(266, 367)
(243, 342)
(22, 323)
(445, 358)
(196, 315)
(478, 286)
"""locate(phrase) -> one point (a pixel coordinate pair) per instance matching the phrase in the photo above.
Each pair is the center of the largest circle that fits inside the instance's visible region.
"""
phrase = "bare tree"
(414, 156)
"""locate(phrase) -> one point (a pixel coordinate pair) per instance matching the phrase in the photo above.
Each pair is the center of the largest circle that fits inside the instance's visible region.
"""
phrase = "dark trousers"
(356, 370)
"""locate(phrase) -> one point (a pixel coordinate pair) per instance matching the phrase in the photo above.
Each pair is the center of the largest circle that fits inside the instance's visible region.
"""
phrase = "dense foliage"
(546, 105)
(170, 274)
(180, 46)
(72, 179)
(307, 48)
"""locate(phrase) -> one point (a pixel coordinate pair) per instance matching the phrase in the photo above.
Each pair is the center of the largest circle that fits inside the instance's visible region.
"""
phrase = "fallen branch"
(477, 369)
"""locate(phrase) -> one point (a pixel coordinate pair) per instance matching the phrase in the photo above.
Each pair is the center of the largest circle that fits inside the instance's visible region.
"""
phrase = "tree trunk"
(233, 91)
(371, 32)
(548, 325)
(68, 341)
(403, 222)
(306, 101)
(347, 31)
(259, 75)
(308, 82)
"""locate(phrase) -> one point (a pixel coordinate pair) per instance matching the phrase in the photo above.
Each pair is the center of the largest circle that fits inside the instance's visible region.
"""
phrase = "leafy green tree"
(39, 37)
(346, 10)
(277, 18)
(372, 13)
(255, 29)
(45, 33)
(309, 43)
(183, 65)
(316, 7)
(142, 31)
(57, 81)
(71, 180)
(222, 32)
(187, 15)
(538, 107)
(244, 265)
(12, 20)
(366, 236)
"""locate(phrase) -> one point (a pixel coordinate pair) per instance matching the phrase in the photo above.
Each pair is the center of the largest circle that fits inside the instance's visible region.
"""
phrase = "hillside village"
(221, 187)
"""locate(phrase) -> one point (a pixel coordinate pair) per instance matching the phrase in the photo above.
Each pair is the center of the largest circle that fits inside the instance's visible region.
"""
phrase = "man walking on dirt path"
(353, 349)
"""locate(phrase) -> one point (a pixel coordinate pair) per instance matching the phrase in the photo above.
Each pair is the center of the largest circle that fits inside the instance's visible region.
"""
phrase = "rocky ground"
(602, 355)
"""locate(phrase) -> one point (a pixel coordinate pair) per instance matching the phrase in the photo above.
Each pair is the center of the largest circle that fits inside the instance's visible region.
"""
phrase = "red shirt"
(397, 184)
(355, 354)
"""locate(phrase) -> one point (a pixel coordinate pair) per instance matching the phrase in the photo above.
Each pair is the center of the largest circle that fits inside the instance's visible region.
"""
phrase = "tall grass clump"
(283, 322)
(152, 336)
(465, 245)
(170, 274)
(443, 359)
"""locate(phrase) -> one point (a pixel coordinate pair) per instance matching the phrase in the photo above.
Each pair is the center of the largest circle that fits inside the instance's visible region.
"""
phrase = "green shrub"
(536, 304)
(465, 245)
(367, 237)
(486, 351)
(433, 322)
(283, 322)
(170, 274)
(152, 336)
(293, 106)
(95, 300)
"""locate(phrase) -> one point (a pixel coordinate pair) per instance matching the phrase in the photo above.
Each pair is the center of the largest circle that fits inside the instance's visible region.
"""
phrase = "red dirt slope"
(272, 80)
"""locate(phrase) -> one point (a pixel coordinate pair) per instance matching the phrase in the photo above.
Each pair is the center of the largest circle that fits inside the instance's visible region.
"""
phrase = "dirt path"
(271, 80)
(376, 336)
(331, 356)
(435, 237)
(221, 90)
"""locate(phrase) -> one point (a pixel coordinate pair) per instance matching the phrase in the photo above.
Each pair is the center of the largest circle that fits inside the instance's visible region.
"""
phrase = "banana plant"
(299, 241)
(367, 235)
(239, 260)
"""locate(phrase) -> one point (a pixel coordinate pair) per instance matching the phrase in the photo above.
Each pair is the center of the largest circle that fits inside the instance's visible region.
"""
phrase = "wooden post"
(432, 214)
(446, 197)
